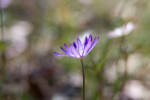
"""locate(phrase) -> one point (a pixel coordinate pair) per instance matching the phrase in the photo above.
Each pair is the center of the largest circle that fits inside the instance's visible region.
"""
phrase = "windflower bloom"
(79, 50)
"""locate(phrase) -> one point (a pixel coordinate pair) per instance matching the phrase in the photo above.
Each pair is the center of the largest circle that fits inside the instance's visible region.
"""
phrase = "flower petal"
(57, 54)
(64, 50)
(80, 46)
(86, 41)
(70, 52)
(74, 44)
(87, 46)
(90, 37)
(74, 51)
(93, 44)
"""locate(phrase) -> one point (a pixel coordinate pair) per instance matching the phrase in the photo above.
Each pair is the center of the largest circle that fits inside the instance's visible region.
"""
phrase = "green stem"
(125, 56)
(125, 74)
(83, 95)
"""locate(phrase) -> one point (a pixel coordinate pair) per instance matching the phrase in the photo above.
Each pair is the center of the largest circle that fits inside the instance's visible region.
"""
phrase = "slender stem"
(83, 79)
(125, 55)
(3, 46)
(125, 67)
(125, 72)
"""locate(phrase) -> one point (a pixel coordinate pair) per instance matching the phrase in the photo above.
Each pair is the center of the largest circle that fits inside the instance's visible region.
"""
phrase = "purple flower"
(79, 50)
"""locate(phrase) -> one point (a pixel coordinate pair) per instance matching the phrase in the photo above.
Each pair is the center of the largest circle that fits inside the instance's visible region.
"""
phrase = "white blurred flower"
(19, 31)
(120, 31)
(5, 3)
(17, 35)
(136, 90)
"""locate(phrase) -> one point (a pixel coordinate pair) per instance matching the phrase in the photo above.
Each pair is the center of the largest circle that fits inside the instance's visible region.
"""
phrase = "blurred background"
(116, 69)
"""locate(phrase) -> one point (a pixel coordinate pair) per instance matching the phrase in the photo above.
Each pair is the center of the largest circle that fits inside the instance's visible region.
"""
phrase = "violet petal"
(87, 46)
(70, 52)
(74, 51)
(64, 50)
(74, 44)
(80, 46)
(86, 41)
(90, 37)
(93, 44)
(57, 54)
